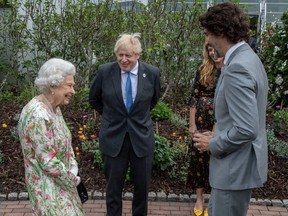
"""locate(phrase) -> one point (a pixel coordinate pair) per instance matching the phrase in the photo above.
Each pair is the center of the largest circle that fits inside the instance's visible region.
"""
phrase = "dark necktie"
(128, 92)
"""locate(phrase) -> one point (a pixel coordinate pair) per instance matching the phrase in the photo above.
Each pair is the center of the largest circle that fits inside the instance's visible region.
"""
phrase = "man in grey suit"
(238, 150)
(124, 92)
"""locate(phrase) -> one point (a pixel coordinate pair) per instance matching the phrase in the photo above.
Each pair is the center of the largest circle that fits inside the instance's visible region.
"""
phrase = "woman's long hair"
(207, 69)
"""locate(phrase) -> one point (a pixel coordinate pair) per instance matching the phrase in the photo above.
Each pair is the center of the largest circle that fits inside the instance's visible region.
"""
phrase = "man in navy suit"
(124, 92)
(238, 150)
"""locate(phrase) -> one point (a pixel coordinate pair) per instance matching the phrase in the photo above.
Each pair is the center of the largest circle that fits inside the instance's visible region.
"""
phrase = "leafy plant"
(276, 146)
(80, 99)
(275, 58)
(161, 112)
(179, 121)
(26, 94)
(163, 154)
(92, 146)
(85, 33)
(89, 141)
(281, 120)
(7, 95)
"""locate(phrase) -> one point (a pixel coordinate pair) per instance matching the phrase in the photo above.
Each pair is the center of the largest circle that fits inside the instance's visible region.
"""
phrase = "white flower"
(282, 68)
(278, 80)
(276, 49)
(286, 92)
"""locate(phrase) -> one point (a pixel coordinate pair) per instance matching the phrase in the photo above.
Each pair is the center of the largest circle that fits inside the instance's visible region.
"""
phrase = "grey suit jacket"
(106, 97)
(239, 148)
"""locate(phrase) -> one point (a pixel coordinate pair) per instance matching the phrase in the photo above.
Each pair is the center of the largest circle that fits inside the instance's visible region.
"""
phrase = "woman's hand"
(192, 129)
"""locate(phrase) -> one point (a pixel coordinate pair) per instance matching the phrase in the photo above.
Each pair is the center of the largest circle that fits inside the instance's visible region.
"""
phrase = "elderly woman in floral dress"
(50, 166)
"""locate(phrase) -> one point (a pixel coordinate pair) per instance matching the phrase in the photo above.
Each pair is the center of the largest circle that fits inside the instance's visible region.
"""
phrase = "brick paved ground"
(156, 208)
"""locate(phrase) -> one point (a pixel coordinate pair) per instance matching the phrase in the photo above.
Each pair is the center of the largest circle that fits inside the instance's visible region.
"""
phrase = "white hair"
(53, 73)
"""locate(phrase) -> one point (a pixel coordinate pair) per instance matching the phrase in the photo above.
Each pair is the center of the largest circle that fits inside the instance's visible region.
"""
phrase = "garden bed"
(12, 169)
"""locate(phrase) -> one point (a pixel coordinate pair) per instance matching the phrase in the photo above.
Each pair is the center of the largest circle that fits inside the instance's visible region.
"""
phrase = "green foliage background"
(275, 59)
(78, 31)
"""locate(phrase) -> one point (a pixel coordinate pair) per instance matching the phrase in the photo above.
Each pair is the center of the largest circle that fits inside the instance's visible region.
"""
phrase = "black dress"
(201, 98)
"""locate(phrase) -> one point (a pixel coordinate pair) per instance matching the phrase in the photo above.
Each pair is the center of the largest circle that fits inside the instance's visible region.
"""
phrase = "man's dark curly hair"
(227, 19)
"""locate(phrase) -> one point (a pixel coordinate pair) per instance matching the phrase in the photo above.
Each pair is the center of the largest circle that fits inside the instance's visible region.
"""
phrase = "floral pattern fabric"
(201, 99)
(48, 158)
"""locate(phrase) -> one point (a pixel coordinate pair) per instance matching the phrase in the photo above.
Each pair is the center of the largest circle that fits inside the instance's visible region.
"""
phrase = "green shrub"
(179, 121)
(281, 119)
(80, 99)
(161, 112)
(276, 146)
(7, 95)
(275, 59)
(92, 146)
(26, 94)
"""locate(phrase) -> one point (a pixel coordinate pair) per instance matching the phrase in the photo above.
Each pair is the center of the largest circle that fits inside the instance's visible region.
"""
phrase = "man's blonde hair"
(129, 42)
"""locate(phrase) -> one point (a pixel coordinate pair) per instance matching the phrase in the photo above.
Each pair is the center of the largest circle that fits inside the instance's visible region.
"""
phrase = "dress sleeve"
(195, 92)
(47, 153)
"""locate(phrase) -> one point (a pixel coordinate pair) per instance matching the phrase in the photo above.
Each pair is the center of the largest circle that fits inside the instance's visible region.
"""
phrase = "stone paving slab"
(156, 208)
(152, 196)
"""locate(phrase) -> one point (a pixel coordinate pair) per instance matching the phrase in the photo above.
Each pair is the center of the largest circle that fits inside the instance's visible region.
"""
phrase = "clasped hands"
(201, 140)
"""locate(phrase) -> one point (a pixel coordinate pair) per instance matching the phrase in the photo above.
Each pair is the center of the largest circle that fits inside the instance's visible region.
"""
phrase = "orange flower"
(80, 129)
(174, 134)
(82, 137)
(93, 136)
(77, 148)
(84, 126)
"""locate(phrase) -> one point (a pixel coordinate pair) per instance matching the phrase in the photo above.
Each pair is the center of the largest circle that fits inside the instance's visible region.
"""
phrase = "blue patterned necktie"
(128, 92)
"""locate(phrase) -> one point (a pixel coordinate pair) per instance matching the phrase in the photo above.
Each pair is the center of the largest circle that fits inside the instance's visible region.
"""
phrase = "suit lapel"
(141, 83)
(239, 49)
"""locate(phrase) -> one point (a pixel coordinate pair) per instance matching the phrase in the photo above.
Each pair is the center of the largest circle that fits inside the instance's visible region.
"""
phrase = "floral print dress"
(48, 158)
(201, 99)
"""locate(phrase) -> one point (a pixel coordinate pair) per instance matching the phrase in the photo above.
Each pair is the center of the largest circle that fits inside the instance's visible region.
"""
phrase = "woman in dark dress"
(201, 118)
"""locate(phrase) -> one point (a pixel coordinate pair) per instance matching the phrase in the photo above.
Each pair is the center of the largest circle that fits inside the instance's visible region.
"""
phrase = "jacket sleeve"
(95, 94)
(240, 95)
(157, 90)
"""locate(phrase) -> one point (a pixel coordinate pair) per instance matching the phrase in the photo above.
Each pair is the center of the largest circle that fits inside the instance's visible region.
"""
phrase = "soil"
(12, 169)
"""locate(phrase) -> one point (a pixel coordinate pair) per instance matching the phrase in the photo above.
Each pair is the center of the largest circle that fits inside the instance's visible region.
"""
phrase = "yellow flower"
(77, 153)
(84, 126)
(4, 125)
(174, 134)
(82, 137)
(80, 129)
(80, 132)
(180, 146)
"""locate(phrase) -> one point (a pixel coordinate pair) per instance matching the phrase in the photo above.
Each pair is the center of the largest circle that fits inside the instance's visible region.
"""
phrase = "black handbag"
(82, 192)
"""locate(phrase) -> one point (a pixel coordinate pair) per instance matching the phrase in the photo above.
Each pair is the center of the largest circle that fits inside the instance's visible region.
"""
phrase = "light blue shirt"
(134, 82)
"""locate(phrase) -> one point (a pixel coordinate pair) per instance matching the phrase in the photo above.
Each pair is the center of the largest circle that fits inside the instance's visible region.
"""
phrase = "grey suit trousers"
(229, 202)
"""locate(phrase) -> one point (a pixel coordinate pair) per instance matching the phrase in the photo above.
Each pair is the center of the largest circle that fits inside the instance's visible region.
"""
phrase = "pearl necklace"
(46, 103)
